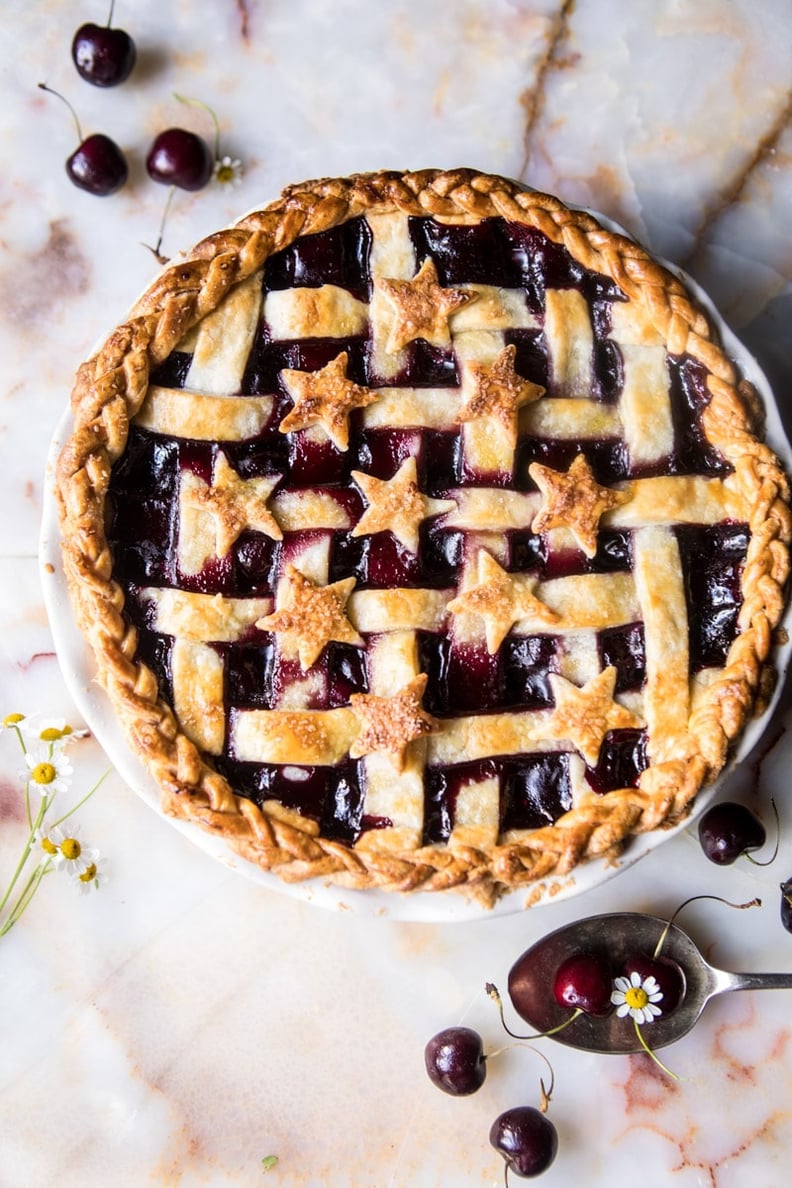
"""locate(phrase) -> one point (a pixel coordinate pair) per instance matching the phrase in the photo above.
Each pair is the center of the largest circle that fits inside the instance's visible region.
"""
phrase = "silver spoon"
(622, 935)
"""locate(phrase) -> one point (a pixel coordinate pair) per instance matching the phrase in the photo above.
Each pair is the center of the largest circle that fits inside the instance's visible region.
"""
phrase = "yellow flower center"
(43, 773)
(48, 847)
(225, 174)
(89, 874)
(636, 998)
(71, 848)
(13, 719)
(51, 734)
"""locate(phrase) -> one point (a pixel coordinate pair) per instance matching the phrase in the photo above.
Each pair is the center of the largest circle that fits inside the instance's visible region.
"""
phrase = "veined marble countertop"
(183, 1022)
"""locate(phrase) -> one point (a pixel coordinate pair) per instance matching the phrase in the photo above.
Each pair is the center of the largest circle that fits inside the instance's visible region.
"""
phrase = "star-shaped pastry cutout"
(422, 307)
(501, 599)
(584, 715)
(574, 501)
(234, 502)
(311, 616)
(325, 397)
(397, 505)
(495, 390)
(391, 723)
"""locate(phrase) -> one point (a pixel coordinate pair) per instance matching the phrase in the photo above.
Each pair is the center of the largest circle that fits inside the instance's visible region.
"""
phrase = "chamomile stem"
(26, 851)
(85, 798)
(25, 896)
(649, 1051)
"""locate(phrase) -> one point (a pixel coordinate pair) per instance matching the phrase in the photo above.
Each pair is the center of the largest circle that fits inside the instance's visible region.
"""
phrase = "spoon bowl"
(621, 935)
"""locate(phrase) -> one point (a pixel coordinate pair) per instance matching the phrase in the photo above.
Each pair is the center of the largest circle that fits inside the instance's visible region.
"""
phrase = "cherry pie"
(423, 535)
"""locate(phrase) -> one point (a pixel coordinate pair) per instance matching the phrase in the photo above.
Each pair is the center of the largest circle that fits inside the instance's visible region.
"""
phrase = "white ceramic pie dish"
(79, 672)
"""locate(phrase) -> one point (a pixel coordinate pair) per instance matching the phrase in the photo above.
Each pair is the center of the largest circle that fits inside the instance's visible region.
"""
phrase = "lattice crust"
(577, 495)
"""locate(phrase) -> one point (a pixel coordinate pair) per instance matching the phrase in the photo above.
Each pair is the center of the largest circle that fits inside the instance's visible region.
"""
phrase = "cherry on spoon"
(622, 935)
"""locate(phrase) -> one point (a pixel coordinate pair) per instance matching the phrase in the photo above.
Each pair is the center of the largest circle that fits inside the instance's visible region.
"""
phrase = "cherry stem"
(717, 898)
(649, 1052)
(50, 91)
(494, 994)
(156, 250)
(774, 854)
(205, 107)
(110, 17)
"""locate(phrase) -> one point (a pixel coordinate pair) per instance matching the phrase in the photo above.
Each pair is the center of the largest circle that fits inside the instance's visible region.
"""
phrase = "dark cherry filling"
(689, 397)
(624, 647)
(530, 357)
(526, 661)
(150, 464)
(712, 562)
(382, 451)
(249, 675)
(426, 366)
(535, 791)
(613, 555)
(140, 533)
(339, 256)
(267, 359)
(333, 796)
(142, 524)
(544, 265)
(347, 673)
(256, 560)
(466, 255)
(607, 458)
(609, 367)
(172, 372)
(622, 759)
(155, 651)
(439, 465)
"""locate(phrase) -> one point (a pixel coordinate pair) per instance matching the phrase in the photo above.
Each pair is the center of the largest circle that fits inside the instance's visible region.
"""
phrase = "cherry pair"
(176, 158)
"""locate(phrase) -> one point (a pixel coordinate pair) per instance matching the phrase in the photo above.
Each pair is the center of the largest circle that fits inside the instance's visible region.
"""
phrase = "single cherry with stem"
(97, 165)
(180, 158)
(183, 160)
(729, 829)
(583, 982)
(455, 1061)
(103, 56)
(525, 1137)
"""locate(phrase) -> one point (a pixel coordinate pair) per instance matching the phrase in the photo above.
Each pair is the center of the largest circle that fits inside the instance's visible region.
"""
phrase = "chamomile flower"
(56, 731)
(12, 722)
(48, 770)
(637, 997)
(92, 878)
(228, 171)
(73, 854)
(49, 839)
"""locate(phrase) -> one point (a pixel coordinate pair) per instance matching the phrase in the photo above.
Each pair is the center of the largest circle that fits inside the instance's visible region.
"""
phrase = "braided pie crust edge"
(109, 390)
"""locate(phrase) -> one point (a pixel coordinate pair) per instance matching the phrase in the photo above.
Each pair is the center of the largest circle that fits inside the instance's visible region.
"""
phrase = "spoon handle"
(756, 981)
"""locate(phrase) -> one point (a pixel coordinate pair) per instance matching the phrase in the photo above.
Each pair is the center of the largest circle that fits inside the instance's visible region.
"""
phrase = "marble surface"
(183, 1023)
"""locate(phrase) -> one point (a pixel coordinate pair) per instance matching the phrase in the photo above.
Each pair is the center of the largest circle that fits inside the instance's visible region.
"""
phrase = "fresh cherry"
(667, 974)
(786, 904)
(727, 830)
(97, 164)
(103, 56)
(455, 1061)
(584, 982)
(180, 158)
(526, 1139)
